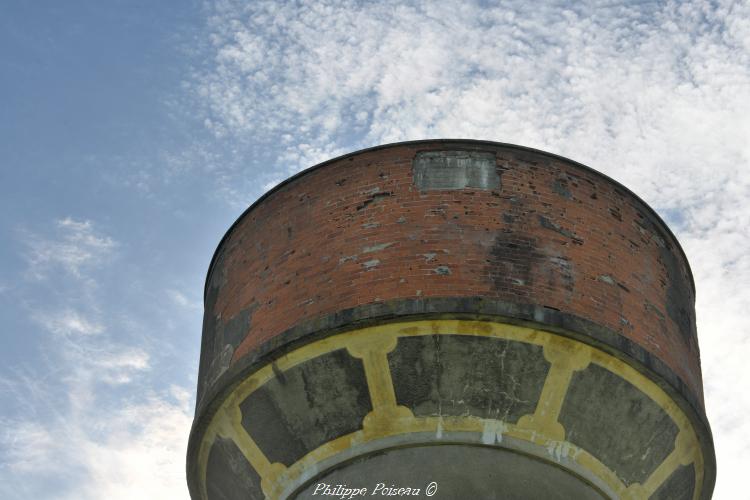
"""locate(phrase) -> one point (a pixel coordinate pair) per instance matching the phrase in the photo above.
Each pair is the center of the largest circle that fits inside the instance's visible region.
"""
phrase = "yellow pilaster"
(373, 352)
(564, 358)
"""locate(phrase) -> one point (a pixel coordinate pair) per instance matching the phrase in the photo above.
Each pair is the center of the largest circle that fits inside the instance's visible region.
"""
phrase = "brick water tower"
(454, 319)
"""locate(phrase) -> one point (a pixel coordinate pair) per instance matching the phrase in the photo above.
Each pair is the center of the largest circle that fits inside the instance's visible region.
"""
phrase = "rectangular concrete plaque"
(443, 170)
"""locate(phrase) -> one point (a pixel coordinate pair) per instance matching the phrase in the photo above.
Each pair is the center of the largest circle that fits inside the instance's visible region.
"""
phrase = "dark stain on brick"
(560, 186)
(548, 224)
(373, 198)
(512, 259)
(235, 330)
(218, 349)
(660, 321)
(207, 348)
(560, 273)
(680, 301)
(208, 345)
(615, 212)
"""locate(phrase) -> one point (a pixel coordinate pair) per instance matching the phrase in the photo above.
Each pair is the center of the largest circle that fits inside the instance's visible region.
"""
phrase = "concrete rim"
(534, 316)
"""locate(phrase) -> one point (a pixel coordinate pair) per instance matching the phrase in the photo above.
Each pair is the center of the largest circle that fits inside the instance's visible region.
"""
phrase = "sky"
(133, 133)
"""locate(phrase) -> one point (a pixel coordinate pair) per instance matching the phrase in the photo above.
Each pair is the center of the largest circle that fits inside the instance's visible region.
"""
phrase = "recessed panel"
(461, 375)
(679, 486)
(441, 170)
(307, 406)
(617, 423)
(229, 475)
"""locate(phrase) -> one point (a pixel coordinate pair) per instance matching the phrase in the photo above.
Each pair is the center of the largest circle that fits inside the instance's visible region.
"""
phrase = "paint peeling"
(376, 248)
(559, 450)
(493, 431)
(429, 256)
(606, 278)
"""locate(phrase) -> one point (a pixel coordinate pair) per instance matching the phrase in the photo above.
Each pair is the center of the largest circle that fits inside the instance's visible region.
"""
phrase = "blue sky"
(132, 134)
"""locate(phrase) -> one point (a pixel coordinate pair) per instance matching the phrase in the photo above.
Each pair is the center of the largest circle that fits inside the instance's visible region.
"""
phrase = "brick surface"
(357, 231)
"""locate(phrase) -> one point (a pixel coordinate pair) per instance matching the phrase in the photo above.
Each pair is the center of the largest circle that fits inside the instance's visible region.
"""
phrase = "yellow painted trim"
(374, 356)
(231, 427)
(564, 358)
(203, 452)
(541, 428)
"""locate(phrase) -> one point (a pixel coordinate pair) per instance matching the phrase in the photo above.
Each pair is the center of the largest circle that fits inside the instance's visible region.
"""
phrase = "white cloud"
(182, 300)
(136, 450)
(656, 95)
(80, 335)
(87, 358)
(118, 365)
(613, 84)
(69, 322)
(28, 446)
(76, 245)
(85, 421)
(92, 423)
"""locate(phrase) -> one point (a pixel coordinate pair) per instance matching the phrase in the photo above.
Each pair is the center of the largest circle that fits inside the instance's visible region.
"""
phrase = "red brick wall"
(357, 231)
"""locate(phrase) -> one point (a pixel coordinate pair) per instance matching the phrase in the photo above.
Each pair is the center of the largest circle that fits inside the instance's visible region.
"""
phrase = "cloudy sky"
(133, 133)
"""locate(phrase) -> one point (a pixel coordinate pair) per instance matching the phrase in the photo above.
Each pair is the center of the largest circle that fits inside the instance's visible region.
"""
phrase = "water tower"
(454, 318)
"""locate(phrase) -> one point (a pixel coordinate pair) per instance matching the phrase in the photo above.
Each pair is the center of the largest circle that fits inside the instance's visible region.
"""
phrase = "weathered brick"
(552, 233)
